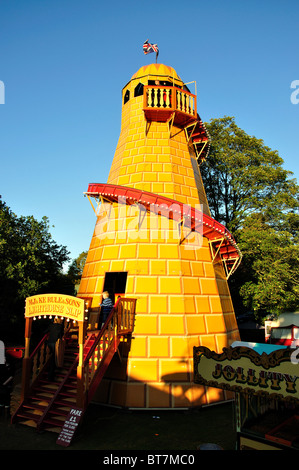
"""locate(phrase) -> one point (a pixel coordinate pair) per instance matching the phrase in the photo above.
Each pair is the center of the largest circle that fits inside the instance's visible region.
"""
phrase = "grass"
(113, 429)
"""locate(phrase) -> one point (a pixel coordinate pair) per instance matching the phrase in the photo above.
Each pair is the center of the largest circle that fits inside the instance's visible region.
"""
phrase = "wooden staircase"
(47, 404)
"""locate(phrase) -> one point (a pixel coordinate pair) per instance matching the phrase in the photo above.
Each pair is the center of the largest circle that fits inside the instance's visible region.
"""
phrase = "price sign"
(70, 426)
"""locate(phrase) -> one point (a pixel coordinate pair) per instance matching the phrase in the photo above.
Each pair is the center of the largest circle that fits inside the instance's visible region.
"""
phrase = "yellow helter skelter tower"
(154, 240)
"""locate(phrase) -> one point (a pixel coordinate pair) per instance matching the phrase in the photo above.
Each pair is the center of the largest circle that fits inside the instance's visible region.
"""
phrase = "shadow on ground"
(113, 429)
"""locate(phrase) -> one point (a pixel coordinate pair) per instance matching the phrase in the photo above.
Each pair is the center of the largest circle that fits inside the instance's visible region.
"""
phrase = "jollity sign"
(55, 305)
(243, 370)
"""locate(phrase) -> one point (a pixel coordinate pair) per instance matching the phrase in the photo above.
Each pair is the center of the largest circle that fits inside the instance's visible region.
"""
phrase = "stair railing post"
(80, 369)
(26, 366)
(116, 322)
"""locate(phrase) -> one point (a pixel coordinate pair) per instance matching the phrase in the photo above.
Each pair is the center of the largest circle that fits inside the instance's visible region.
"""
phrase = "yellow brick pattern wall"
(182, 298)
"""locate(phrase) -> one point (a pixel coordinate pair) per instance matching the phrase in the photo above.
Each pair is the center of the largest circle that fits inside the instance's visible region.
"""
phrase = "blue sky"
(64, 63)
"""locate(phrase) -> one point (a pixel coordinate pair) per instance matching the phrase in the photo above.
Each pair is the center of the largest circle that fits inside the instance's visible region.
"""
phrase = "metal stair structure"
(47, 404)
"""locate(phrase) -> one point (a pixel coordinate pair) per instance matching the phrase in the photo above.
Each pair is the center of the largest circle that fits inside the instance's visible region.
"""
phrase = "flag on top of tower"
(148, 48)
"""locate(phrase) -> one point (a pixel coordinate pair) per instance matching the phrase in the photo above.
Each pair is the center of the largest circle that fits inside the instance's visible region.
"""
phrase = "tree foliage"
(75, 269)
(251, 193)
(31, 262)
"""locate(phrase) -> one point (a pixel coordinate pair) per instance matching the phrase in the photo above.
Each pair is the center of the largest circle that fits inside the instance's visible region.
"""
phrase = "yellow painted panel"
(189, 304)
(182, 396)
(168, 251)
(204, 254)
(128, 251)
(136, 178)
(130, 284)
(202, 304)
(191, 285)
(103, 267)
(135, 397)
(110, 252)
(215, 323)
(179, 347)
(176, 304)
(143, 370)
(123, 180)
(209, 269)
(186, 269)
(146, 284)
(117, 265)
(171, 369)
(174, 267)
(198, 397)
(187, 253)
(216, 306)
(170, 285)
(100, 285)
(164, 177)
(209, 341)
(157, 267)
(96, 300)
(91, 285)
(83, 285)
(139, 347)
(146, 325)
(195, 324)
(172, 325)
(157, 167)
(150, 177)
(157, 304)
(147, 251)
(209, 286)
(97, 254)
(158, 346)
(197, 268)
(158, 395)
(158, 188)
(137, 266)
(214, 395)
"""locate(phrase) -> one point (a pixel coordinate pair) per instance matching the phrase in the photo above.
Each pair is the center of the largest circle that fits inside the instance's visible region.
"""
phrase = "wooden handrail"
(169, 98)
(118, 323)
(45, 337)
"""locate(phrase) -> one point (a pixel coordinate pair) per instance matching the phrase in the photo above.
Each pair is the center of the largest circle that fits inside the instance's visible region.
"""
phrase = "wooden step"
(40, 397)
(64, 402)
(68, 394)
(29, 416)
(34, 406)
(54, 422)
(57, 411)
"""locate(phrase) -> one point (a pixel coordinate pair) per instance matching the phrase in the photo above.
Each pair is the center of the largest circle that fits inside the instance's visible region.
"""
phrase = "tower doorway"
(115, 283)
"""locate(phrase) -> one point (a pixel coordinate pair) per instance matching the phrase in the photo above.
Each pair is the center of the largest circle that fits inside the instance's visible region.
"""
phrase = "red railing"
(168, 100)
(120, 322)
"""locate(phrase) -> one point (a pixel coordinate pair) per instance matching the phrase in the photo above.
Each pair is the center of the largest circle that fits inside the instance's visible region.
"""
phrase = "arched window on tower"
(138, 90)
(127, 96)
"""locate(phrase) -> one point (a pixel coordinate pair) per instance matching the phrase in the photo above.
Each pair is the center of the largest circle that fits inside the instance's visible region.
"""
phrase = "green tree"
(271, 265)
(31, 262)
(75, 269)
(242, 176)
(251, 193)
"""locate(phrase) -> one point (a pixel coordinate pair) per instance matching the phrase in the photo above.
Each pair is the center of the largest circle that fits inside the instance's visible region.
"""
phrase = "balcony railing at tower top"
(160, 103)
